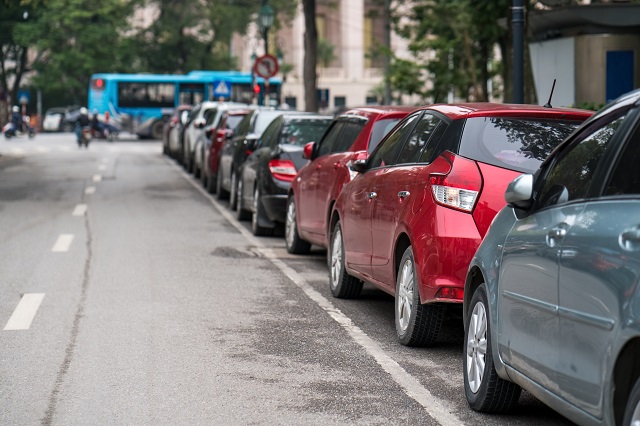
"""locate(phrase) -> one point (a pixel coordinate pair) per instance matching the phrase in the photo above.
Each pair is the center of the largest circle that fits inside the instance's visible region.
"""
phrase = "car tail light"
(283, 169)
(458, 187)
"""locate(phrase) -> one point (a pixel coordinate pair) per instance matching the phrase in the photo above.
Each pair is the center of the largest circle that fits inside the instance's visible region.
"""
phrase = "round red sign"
(266, 66)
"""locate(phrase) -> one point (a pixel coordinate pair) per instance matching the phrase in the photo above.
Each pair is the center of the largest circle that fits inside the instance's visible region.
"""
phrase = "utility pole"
(517, 20)
(387, 56)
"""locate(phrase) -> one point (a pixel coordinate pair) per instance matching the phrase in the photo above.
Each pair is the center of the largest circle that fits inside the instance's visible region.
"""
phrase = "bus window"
(191, 93)
(159, 95)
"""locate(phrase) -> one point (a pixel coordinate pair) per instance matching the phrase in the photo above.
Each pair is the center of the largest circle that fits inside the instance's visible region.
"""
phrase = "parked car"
(411, 221)
(551, 297)
(204, 139)
(173, 128)
(234, 151)
(226, 129)
(54, 120)
(193, 129)
(316, 187)
(264, 178)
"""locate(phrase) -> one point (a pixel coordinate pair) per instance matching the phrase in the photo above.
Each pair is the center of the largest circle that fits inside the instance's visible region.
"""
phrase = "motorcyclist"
(96, 125)
(16, 119)
(82, 121)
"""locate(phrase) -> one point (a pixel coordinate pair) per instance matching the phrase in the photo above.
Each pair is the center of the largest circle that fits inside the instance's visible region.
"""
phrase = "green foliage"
(326, 53)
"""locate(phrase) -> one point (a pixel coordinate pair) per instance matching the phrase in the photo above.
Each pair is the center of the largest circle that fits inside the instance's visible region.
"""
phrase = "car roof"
(488, 109)
(306, 116)
(378, 110)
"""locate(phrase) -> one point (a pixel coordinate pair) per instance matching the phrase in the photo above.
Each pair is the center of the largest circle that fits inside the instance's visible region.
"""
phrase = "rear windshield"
(233, 121)
(380, 130)
(513, 143)
(301, 132)
(264, 119)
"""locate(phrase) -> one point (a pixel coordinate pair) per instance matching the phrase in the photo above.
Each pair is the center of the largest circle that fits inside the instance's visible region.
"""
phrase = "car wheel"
(294, 243)
(343, 285)
(632, 411)
(485, 391)
(241, 212)
(233, 193)
(212, 184)
(204, 175)
(156, 130)
(221, 193)
(416, 324)
(196, 167)
(258, 231)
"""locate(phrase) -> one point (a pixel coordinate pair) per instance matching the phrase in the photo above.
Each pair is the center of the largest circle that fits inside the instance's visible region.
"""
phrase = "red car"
(317, 185)
(227, 126)
(411, 221)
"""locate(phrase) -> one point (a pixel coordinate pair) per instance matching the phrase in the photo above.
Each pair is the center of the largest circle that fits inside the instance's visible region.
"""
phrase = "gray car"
(552, 297)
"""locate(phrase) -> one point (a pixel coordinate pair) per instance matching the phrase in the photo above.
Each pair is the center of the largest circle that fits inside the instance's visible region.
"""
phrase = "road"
(130, 296)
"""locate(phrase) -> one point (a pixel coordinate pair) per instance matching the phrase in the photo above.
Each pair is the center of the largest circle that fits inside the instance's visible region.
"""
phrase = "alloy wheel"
(336, 258)
(477, 348)
(404, 299)
(290, 224)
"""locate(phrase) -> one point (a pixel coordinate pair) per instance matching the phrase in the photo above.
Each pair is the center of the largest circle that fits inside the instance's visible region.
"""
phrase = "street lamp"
(265, 17)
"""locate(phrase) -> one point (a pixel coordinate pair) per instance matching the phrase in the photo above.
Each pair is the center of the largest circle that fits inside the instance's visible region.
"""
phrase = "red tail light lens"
(283, 169)
(451, 293)
(459, 187)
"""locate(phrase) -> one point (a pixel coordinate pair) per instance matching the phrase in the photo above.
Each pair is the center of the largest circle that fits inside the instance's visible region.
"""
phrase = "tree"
(310, 56)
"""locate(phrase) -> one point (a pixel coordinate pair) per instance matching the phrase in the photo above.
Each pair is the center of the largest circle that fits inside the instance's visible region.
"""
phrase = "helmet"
(15, 108)
(95, 111)
(84, 111)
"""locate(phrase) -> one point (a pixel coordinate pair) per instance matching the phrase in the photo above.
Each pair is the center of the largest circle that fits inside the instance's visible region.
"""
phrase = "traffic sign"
(221, 88)
(266, 66)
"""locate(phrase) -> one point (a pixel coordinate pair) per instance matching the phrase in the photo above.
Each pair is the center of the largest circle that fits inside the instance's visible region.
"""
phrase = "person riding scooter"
(81, 122)
(16, 118)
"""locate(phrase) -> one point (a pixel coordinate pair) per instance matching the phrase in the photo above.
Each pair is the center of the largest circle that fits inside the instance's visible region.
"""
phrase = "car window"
(625, 178)
(328, 142)
(263, 120)
(435, 147)
(210, 115)
(417, 141)
(349, 135)
(388, 150)
(571, 174)
(268, 137)
(233, 121)
(300, 132)
(245, 124)
(520, 144)
(380, 130)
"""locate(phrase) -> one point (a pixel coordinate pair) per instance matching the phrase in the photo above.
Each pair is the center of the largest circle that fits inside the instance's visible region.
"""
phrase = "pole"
(517, 21)
(387, 57)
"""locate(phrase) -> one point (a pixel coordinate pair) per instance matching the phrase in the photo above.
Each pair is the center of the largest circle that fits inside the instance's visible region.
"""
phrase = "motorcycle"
(10, 130)
(85, 137)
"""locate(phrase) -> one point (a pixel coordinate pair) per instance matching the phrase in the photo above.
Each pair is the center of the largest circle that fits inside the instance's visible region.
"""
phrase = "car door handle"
(372, 195)
(629, 239)
(403, 194)
(557, 233)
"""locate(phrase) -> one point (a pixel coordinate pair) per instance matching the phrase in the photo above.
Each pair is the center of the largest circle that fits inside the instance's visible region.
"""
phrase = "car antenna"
(548, 104)
(435, 98)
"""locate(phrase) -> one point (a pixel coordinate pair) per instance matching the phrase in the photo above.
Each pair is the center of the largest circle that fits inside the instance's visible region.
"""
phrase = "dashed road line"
(102, 167)
(25, 312)
(90, 190)
(63, 243)
(80, 210)
(97, 178)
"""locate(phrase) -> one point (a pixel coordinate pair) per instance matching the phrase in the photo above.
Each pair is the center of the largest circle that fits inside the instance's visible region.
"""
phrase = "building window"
(292, 101)
(339, 101)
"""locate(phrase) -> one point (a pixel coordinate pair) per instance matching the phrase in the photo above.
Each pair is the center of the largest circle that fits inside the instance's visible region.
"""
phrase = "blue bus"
(138, 103)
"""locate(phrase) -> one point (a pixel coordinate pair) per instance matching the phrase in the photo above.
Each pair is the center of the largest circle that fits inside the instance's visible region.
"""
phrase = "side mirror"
(250, 145)
(520, 191)
(228, 134)
(209, 132)
(307, 151)
(199, 124)
(360, 156)
(359, 166)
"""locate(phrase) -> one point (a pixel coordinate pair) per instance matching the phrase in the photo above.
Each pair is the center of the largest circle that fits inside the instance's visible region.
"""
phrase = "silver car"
(552, 297)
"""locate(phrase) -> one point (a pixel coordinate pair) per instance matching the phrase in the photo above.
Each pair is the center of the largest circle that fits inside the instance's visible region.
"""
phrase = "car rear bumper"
(275, 207)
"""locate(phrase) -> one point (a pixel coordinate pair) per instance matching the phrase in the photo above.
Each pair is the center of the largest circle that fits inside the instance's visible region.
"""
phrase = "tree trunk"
(310, 56)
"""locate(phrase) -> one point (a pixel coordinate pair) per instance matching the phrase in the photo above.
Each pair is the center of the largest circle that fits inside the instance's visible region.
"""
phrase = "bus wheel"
(156, 130)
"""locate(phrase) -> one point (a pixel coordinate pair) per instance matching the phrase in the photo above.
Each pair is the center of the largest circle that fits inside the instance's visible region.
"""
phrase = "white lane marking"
(105, 159)
(25, 312)
(62, 243)
(64, 148)
(112, 149)
(42, 150)
(90, 190)
(102, 167)
(17, 151)
(97, 178)
(80, 210)
(435, 407)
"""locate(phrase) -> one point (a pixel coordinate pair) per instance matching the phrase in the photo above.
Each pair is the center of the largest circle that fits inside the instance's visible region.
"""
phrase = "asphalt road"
(130, 296)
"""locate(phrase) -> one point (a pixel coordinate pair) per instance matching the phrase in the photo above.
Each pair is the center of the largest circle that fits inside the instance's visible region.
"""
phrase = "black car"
(264, 178)
(236, 150)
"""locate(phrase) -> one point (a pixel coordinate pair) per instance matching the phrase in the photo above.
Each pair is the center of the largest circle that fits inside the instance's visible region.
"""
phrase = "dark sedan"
(265, 176)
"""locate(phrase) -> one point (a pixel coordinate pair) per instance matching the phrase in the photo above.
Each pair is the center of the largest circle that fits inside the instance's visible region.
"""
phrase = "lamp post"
(265, 17)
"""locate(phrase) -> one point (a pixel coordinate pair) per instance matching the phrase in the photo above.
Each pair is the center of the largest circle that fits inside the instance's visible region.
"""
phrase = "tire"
(343, 285)
(221, 193)
(156, 130)
(204, 176)
(233, 193)
(632, 410)
(487, 393)
(258, 231)
(211, 185)
(295, 244)
(196, 169)
(416, 324)
(241, 212)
